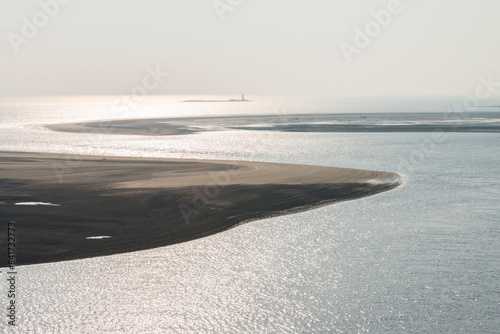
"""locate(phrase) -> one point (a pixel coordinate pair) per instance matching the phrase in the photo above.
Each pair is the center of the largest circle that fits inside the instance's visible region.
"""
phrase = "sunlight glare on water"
(423, 258)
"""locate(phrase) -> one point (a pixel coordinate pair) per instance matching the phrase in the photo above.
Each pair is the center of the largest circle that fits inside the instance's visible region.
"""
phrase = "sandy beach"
(477, 122)
(142, 203)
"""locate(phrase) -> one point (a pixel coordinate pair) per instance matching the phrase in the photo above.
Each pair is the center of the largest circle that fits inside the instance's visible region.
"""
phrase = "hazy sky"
(261, 46)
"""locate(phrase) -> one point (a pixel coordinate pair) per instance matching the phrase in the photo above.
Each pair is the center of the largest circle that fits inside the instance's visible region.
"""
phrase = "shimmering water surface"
(424, 258)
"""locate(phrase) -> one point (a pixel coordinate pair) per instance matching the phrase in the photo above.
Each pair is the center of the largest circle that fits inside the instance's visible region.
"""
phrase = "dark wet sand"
(370, 122)
(137, 201)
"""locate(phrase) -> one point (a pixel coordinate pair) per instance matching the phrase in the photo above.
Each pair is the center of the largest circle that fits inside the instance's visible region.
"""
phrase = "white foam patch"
(99, 237)
(401, 180)
(37, 203)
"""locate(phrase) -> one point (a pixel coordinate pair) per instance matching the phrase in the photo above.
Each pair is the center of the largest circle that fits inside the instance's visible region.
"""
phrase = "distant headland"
(231, 100)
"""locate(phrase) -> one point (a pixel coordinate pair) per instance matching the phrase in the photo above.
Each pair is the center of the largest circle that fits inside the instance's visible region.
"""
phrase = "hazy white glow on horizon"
(261, 47)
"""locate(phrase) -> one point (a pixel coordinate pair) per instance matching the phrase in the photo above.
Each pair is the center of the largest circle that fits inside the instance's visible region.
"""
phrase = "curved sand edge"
(144, 203)
(486, 122)
(143, 127)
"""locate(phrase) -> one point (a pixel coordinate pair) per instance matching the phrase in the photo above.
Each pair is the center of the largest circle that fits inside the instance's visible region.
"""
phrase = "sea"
(423, 258)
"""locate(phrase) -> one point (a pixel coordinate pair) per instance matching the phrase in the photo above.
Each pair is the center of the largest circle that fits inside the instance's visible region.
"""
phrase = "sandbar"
(484, 122)
(107, 205)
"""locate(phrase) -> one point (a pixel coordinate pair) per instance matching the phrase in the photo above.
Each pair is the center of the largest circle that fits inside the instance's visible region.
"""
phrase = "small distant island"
(231, 100)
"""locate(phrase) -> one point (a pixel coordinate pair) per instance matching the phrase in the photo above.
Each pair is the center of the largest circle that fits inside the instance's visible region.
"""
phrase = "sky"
(327, 48)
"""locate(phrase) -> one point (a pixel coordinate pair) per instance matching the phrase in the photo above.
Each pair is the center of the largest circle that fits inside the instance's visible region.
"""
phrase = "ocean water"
(424, 258)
